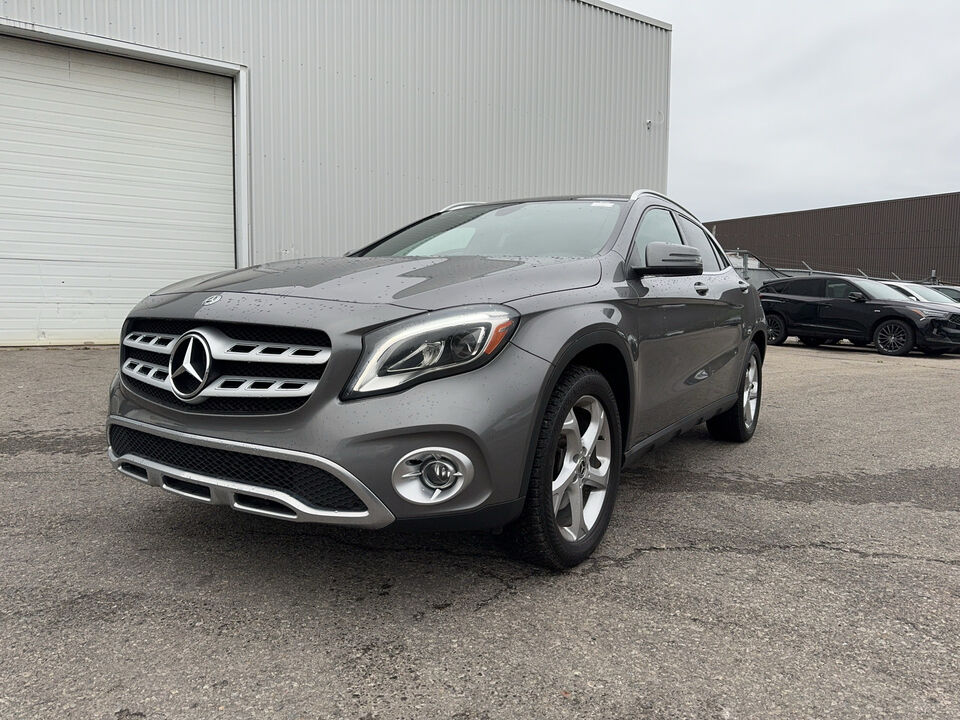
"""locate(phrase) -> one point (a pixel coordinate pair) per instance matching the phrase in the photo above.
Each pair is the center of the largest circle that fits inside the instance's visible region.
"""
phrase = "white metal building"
(145, 141)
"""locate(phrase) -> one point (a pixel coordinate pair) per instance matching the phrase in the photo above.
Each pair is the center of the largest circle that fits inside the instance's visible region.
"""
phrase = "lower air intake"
(308, 484)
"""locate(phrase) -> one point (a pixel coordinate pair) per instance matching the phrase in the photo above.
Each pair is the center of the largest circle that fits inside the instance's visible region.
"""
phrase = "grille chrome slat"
(158, 376)
(146, 372)
(153, 342)
(253, 367)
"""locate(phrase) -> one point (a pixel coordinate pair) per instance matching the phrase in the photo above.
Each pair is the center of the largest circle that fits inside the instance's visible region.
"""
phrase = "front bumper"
(487, 415)
(937, 334)
(207, 487)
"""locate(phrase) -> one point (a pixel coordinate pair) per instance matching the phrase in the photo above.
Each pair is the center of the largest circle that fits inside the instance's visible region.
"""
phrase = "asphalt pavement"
(811, 573)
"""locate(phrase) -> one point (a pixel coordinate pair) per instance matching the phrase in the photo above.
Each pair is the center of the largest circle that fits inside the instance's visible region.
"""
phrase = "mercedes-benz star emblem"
(212, 299)
(189, 365)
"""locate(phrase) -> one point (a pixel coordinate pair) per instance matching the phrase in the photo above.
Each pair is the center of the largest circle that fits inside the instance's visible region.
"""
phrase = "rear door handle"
(701, 288)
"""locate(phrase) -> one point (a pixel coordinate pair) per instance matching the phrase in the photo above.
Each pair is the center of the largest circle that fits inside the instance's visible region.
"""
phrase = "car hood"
(423, 283)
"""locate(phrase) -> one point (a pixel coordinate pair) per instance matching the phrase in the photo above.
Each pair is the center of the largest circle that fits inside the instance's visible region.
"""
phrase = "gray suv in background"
(494, 365)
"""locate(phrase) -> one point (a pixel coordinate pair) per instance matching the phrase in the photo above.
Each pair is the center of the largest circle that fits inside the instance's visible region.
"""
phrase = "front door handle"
(701, 288)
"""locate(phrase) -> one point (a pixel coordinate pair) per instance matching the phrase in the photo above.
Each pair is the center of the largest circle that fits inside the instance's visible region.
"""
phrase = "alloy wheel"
(774, 328)
(891, 337)
(751, 392)
(581, 468)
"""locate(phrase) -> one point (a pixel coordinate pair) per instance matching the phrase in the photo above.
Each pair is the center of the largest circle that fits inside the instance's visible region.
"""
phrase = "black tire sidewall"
(593, 383)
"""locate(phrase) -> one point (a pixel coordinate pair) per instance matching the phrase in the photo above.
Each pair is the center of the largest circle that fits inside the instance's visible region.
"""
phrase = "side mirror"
(857, 297)
(670, 259)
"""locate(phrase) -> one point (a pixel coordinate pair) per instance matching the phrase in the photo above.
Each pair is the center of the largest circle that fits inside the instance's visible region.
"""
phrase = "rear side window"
(775, 287)
(656, 226)
(808, 287)
(698, 239)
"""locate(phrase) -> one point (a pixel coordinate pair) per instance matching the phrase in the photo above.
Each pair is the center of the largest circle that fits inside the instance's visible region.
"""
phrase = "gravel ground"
(814, 572)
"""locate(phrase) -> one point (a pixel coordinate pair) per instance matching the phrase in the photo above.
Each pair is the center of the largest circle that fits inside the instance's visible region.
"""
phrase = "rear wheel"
(811, 341)
(575, 475)
(776, 330)
(739, 422)
(893, 337)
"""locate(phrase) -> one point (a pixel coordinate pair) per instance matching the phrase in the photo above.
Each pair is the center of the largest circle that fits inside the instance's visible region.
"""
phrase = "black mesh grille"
(307, 483)
(238, 331)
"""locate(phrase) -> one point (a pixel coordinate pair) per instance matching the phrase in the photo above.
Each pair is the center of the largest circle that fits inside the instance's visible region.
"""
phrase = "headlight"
(925, 313)
(429, 346)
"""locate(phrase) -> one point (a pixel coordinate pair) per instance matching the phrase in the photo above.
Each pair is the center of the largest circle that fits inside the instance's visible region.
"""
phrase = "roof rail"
(635, 195)
(466, 203)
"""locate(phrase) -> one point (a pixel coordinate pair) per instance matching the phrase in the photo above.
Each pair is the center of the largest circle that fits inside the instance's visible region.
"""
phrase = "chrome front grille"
(244, 373)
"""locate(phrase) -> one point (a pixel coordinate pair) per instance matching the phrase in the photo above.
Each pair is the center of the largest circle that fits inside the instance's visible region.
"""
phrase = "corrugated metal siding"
(909, 237)
(367, 114)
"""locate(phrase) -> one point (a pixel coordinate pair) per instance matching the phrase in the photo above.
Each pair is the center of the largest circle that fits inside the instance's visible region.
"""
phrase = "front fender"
(547, 335)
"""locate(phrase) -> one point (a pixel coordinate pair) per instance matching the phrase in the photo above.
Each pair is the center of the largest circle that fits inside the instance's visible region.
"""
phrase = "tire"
(894, 337)
(582, 406)
(811, 341)
(740, 422)
(776, 329)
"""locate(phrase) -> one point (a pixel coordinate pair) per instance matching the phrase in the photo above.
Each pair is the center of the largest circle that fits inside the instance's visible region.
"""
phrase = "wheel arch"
(607, 352)
(891, 316)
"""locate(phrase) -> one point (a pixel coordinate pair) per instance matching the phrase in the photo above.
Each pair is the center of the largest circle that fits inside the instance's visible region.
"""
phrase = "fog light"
(432, 475)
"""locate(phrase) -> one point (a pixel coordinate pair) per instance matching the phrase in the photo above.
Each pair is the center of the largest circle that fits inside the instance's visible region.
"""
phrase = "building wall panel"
(366, 114)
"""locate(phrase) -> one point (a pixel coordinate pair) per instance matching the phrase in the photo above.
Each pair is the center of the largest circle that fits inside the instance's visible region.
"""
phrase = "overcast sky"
(791, 105)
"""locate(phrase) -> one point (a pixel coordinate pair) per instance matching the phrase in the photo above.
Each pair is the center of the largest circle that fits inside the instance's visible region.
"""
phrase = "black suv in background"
(818, 309)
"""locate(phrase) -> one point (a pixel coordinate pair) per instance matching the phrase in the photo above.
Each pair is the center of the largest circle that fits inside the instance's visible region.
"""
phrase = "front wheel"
(575, 475)
(776, 330)
(740, 422)
(893, 337)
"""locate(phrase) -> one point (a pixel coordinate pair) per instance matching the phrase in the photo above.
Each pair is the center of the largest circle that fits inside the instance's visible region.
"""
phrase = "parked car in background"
(920, 293)
(493, 365)
(820, 308)
(951, 291)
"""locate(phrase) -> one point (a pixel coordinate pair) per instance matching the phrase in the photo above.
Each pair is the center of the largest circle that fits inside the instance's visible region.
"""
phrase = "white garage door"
(116, 178)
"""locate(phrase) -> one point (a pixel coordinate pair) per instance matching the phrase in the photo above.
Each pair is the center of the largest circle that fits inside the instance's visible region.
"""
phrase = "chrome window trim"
(223, 492)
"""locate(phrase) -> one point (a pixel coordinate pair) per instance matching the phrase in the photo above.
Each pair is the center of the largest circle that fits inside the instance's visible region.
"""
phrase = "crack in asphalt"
(599, 563)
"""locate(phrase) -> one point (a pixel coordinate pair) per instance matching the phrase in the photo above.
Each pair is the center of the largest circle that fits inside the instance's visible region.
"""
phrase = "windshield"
(928, 294)
(879, 291)
(561, 228)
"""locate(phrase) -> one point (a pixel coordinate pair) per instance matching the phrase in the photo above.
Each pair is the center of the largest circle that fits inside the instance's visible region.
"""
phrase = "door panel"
(689, 345)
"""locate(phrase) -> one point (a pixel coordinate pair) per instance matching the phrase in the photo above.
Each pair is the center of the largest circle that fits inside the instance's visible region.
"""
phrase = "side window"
(698, 239)
(656, 226)
(839, 289)
(808, 287)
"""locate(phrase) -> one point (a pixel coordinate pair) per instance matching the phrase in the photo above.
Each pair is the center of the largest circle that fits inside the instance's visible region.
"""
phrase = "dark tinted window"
(566, 228)
(776, 286)
(656, 226)
(698, 239)
(839, 289)
(808, 287)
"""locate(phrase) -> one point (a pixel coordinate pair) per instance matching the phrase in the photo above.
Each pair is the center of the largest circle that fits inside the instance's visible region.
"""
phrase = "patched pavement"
(814, 572)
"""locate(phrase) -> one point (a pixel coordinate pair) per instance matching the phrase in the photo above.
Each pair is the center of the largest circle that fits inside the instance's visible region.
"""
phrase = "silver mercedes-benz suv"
(494, 365)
